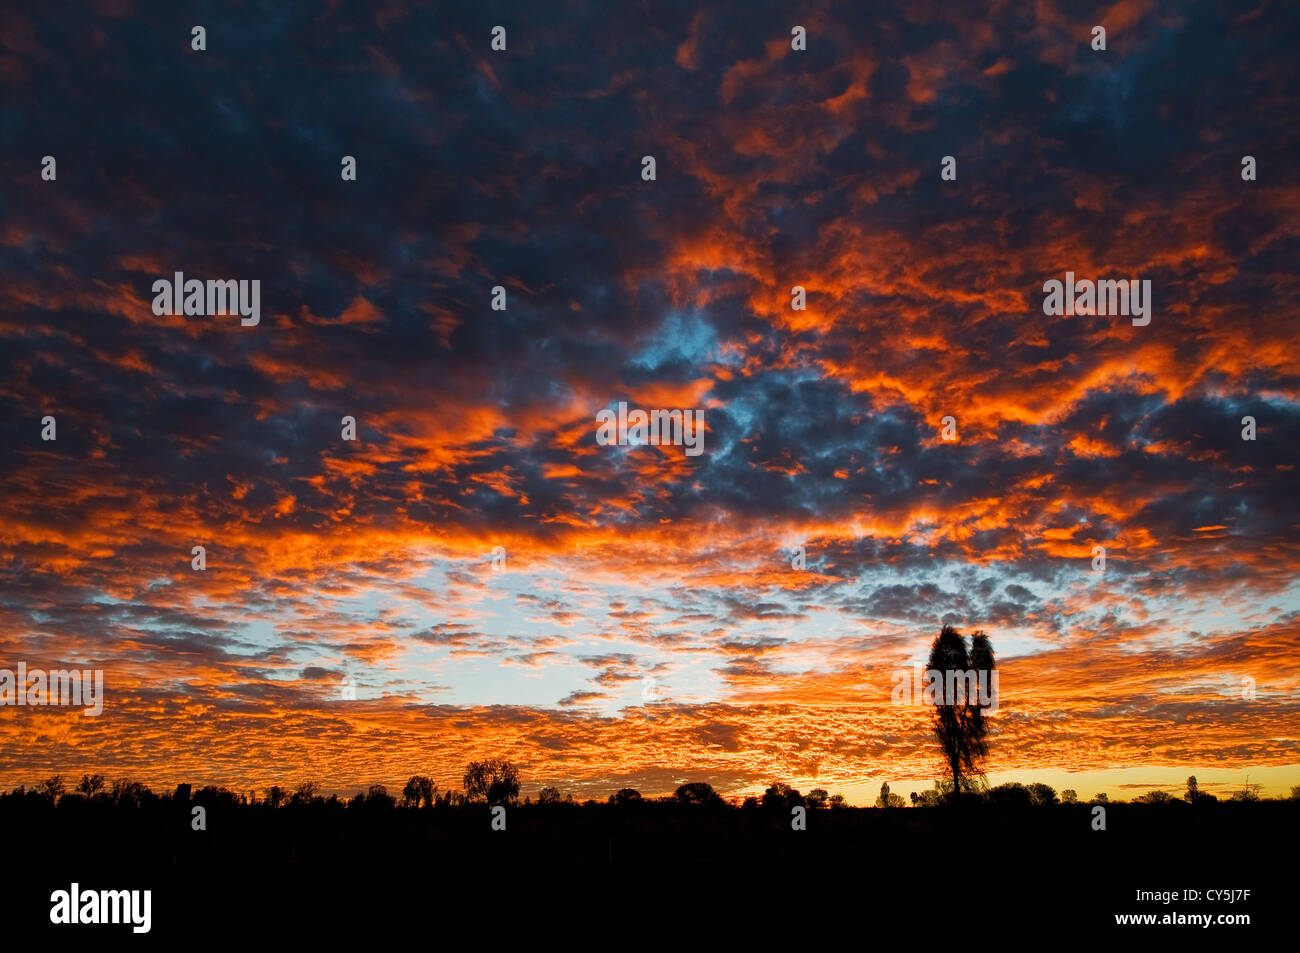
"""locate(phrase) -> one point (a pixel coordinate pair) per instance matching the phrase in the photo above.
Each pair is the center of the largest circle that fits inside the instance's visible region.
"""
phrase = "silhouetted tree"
(782, 797)
(52, 788)
(889, 800)
(419, 790)
(1248, 792)
(307, 793)
(214, 796)
(90, 784)
(1042, 795)
(1193, 790)
(1069, 796)
(548, 796)
(1154, 797)
(697, 792)
(943, 788)
(816, 798)
(1011, 794)
(128, 793)
(625, 796)
(448, 799)
(495, 781)
(276, 795)
(932, 797)
(958, 722)
(837, 801)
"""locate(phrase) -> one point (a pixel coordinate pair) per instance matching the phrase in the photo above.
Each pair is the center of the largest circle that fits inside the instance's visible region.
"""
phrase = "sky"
(645, 622)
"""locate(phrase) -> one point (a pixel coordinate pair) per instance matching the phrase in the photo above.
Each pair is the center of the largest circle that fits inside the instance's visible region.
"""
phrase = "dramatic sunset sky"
(648, 628)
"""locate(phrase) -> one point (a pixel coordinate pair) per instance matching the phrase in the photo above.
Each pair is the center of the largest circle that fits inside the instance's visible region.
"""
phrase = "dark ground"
(652, 874)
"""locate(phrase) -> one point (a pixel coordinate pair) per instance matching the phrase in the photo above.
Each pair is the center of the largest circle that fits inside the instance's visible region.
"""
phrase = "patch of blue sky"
(683, 337)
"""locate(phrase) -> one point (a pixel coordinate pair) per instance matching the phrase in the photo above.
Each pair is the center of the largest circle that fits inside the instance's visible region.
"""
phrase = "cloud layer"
(647, 626)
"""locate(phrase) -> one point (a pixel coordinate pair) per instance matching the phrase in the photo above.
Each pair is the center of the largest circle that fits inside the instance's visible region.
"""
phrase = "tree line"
(496, 782)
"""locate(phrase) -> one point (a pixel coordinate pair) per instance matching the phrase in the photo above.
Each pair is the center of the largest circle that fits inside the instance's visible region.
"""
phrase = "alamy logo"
(103, 906)
(59, 687)
(658, 428)
(1104, 296)
(348, 689)
(211, 298)
(947, 687)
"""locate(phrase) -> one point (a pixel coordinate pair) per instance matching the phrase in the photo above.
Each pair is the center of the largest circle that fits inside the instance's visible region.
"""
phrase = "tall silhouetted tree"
(495, 781)
(958, 721)
(90, 784)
